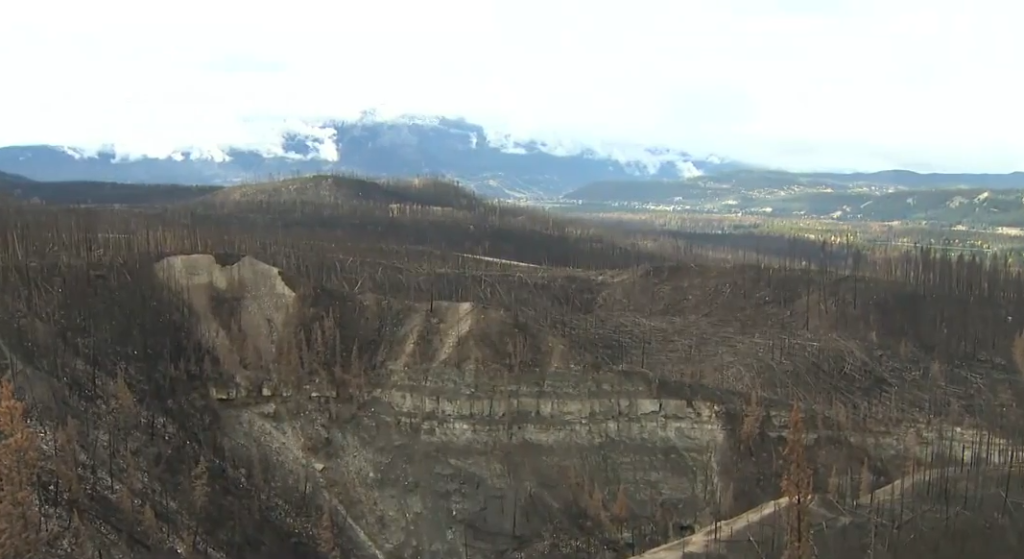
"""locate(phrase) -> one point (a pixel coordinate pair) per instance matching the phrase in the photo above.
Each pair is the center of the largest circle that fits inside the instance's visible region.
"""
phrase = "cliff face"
(447, 428)
(445, 462)
(445, 452)
(441, 460)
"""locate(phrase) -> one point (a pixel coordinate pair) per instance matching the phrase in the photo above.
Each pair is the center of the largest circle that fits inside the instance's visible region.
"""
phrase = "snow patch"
(273, 138)
(381, 115)
(638, 158)
(76, 153)
(319, 138)
(215, 155)
(688, 170)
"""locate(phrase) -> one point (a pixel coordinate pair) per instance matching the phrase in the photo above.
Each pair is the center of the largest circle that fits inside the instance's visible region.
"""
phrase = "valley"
(331, 366)
(975, 201)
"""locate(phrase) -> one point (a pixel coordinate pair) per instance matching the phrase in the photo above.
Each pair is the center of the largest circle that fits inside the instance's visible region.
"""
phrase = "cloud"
(792, 83)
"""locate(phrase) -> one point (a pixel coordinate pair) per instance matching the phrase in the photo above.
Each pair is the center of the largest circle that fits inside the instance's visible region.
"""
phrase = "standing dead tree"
(796, 487)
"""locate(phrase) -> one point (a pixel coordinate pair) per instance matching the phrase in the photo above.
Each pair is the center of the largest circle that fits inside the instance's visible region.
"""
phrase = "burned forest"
(332, 367)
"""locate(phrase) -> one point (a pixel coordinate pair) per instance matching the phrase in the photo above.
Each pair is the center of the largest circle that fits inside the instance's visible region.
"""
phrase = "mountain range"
(492, 163)
(502, 165)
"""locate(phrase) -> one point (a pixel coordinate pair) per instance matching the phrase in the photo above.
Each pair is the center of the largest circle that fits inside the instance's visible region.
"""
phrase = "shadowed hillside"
(97, 193)
(332, 367)
(9, 178)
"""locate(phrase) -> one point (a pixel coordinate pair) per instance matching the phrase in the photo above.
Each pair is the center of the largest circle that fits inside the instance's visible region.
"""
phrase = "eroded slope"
(385, 379)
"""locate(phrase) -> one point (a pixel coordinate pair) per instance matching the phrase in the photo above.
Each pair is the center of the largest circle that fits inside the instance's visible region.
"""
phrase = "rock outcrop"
(445, 455)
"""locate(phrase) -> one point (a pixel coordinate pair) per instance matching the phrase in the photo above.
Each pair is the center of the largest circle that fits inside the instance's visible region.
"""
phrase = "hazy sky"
(865, 84)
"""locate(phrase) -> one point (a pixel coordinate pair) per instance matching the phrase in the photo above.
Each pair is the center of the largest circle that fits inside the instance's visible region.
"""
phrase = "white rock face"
(266, 303)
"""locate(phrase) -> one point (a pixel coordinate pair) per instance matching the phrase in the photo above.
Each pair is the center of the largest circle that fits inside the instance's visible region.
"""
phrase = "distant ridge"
(10, 178)
(490, 162)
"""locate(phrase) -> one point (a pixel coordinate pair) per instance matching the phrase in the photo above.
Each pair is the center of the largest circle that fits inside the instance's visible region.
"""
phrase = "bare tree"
(796, 487)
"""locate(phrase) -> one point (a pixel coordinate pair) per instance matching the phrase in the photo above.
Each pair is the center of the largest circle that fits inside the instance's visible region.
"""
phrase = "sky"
(929, 85)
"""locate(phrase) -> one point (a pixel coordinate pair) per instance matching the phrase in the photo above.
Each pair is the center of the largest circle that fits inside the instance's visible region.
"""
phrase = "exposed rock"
(249, 293)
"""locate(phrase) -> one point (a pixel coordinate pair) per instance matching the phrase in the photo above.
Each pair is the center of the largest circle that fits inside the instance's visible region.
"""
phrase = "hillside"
(97, 193)
(864, 526)
(886, 196)
(11, 179)
(335, 367)
(341, 189)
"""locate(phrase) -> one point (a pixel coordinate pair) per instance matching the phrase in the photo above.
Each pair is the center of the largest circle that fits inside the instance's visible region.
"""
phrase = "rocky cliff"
(450, 453)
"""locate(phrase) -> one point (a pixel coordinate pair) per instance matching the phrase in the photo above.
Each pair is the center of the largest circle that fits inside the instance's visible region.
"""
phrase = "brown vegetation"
(19, 460)
(135, 381)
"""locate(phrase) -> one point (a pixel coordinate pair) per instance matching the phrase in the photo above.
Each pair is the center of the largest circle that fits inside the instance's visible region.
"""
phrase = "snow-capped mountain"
(494, 163)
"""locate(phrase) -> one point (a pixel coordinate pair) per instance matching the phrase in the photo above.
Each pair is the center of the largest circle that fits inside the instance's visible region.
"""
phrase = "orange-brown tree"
(796, 487)
(19, 461)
